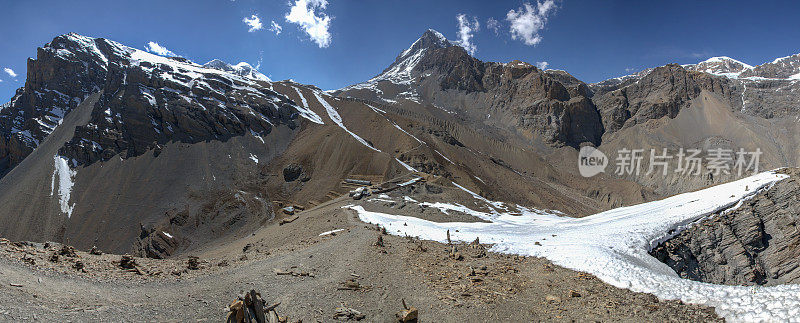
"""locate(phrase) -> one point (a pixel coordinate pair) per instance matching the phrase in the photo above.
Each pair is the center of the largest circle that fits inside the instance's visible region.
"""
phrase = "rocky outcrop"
(146, 102)
(781, 68)
(755, 244)
(551, 105)
(661, 93)
(155, 244)
(64, 73)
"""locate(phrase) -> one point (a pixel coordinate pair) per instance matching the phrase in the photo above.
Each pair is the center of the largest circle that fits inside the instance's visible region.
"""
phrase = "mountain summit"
(721, 65)
(241, 69)
(71, 67)
(399, 72)
(548, 106)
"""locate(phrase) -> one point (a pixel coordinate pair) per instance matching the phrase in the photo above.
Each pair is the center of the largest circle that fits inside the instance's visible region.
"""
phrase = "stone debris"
(95, 251)
(420, 247)
(127, 262)
(478, 250)
(293, 172)
(193, 263)
(344, 313)
(552, 298)
(67, 251)
(293, 272)
(408, 314)
(455, 254)
(475, 272)
(289, 219)
(350, 284)
(28, 260)
(252, 309)
(79, 266)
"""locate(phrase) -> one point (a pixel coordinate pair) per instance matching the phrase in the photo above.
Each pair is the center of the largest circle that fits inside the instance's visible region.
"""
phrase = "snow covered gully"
(613, 245)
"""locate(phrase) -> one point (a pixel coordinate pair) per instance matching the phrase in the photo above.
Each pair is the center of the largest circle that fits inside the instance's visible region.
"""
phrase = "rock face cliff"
(663, 92)
(100, 127)
(553, 107)
(147, 101)
(755, 244)
(64, 73)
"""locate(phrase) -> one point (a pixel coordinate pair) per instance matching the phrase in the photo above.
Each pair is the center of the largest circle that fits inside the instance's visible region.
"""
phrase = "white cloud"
(629, 69)
(542, 65)
(527, 21)
(494, 25)
(275, 27)
(10, 72)
(157, 49)
(254, 22)
(466, 30)
(310, 16)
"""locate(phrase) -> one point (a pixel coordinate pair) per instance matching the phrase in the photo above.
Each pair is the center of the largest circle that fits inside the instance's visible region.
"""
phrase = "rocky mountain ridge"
(435, 72)
(557, 109)
(225, 136)
(756, 244)
(165, 99)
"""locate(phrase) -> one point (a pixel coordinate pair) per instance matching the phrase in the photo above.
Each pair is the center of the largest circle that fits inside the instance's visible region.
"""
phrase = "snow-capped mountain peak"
(430, 39)
(725, 59)
(409, 58)
(781, 68)
(400, 70)
(241, 69)
(87, 65)
(720, 65)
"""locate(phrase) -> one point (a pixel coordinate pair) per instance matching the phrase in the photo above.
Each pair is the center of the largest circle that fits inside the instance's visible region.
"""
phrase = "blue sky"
(355, 40)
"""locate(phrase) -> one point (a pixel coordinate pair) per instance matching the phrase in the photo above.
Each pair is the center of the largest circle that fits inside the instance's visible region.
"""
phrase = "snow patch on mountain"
(64, 177)
(337, 119)
(305, 111)
(613, 245)
(330, 232)
(406, 166)
(86, 44)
